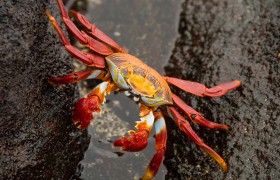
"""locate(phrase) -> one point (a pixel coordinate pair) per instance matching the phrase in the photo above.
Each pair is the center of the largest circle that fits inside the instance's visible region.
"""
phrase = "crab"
(120, 71)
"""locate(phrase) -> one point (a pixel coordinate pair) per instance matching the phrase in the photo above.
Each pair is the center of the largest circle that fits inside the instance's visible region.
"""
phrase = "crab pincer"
(136, 142)
(84, 108)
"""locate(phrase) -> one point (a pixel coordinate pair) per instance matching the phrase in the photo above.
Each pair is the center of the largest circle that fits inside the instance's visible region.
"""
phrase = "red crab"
(123, 72)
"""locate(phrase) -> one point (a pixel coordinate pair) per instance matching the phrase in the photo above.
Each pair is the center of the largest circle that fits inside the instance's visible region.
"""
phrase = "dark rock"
(37, 138)
(221, 41)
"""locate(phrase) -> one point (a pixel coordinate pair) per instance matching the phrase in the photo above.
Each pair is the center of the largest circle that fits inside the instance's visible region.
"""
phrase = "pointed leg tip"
(51, 18)
(149, 175)
(221, 162)
(225, 167)
(154, 164)
(223, 127)
(72, 12)
(53, 81)
(47, 13)
(50, 81)
(237, 82)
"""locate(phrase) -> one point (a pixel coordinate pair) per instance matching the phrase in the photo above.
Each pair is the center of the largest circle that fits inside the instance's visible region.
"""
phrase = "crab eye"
(159, 93)
(124, 72)
(139, 71)
(154, 81)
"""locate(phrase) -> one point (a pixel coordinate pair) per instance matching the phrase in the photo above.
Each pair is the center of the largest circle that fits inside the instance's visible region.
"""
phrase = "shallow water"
(148, 30)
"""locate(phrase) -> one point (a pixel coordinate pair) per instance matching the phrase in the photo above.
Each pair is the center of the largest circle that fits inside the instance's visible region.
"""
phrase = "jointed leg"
(200, 90)
(72, 77)
(86, 58)
(138, 140)
(186, 128)
(96, 32)
(161, 138)
(93, 44)
(195, 116)
(80, 75)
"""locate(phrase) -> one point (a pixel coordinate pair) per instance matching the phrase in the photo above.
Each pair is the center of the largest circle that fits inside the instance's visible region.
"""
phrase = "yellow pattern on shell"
(141, 85)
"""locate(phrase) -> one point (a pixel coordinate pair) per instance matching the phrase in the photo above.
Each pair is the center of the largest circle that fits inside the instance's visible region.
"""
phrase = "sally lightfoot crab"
(120, 71)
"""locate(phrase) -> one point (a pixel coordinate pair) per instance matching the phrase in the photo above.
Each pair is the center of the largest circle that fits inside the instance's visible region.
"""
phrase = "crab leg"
(92, 43)
(195, 116)
(80, 75)
(86, 58)
(72, 77)
(161, 138)
(200, 90)
(186, 128)
(86, 106)
(138, 140)
(96, 32)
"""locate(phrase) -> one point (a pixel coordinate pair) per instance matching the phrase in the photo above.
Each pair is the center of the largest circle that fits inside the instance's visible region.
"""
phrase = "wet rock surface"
(221, 41)
(37, 138)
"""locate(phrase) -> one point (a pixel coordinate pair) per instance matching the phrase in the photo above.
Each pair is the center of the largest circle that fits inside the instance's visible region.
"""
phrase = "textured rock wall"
(37, 138)
(221, 41)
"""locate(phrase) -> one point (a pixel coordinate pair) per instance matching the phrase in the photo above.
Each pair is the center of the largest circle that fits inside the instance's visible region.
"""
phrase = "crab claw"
(83, 111)
(137, 141)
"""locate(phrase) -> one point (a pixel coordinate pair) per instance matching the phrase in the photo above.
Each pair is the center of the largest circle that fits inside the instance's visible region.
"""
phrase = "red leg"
(96, 32)
(86, 58)
(200, 90)
(92, 43)
(195, 116)
(78, 76)
(161, 138)
(186, 128)
(72, 77)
